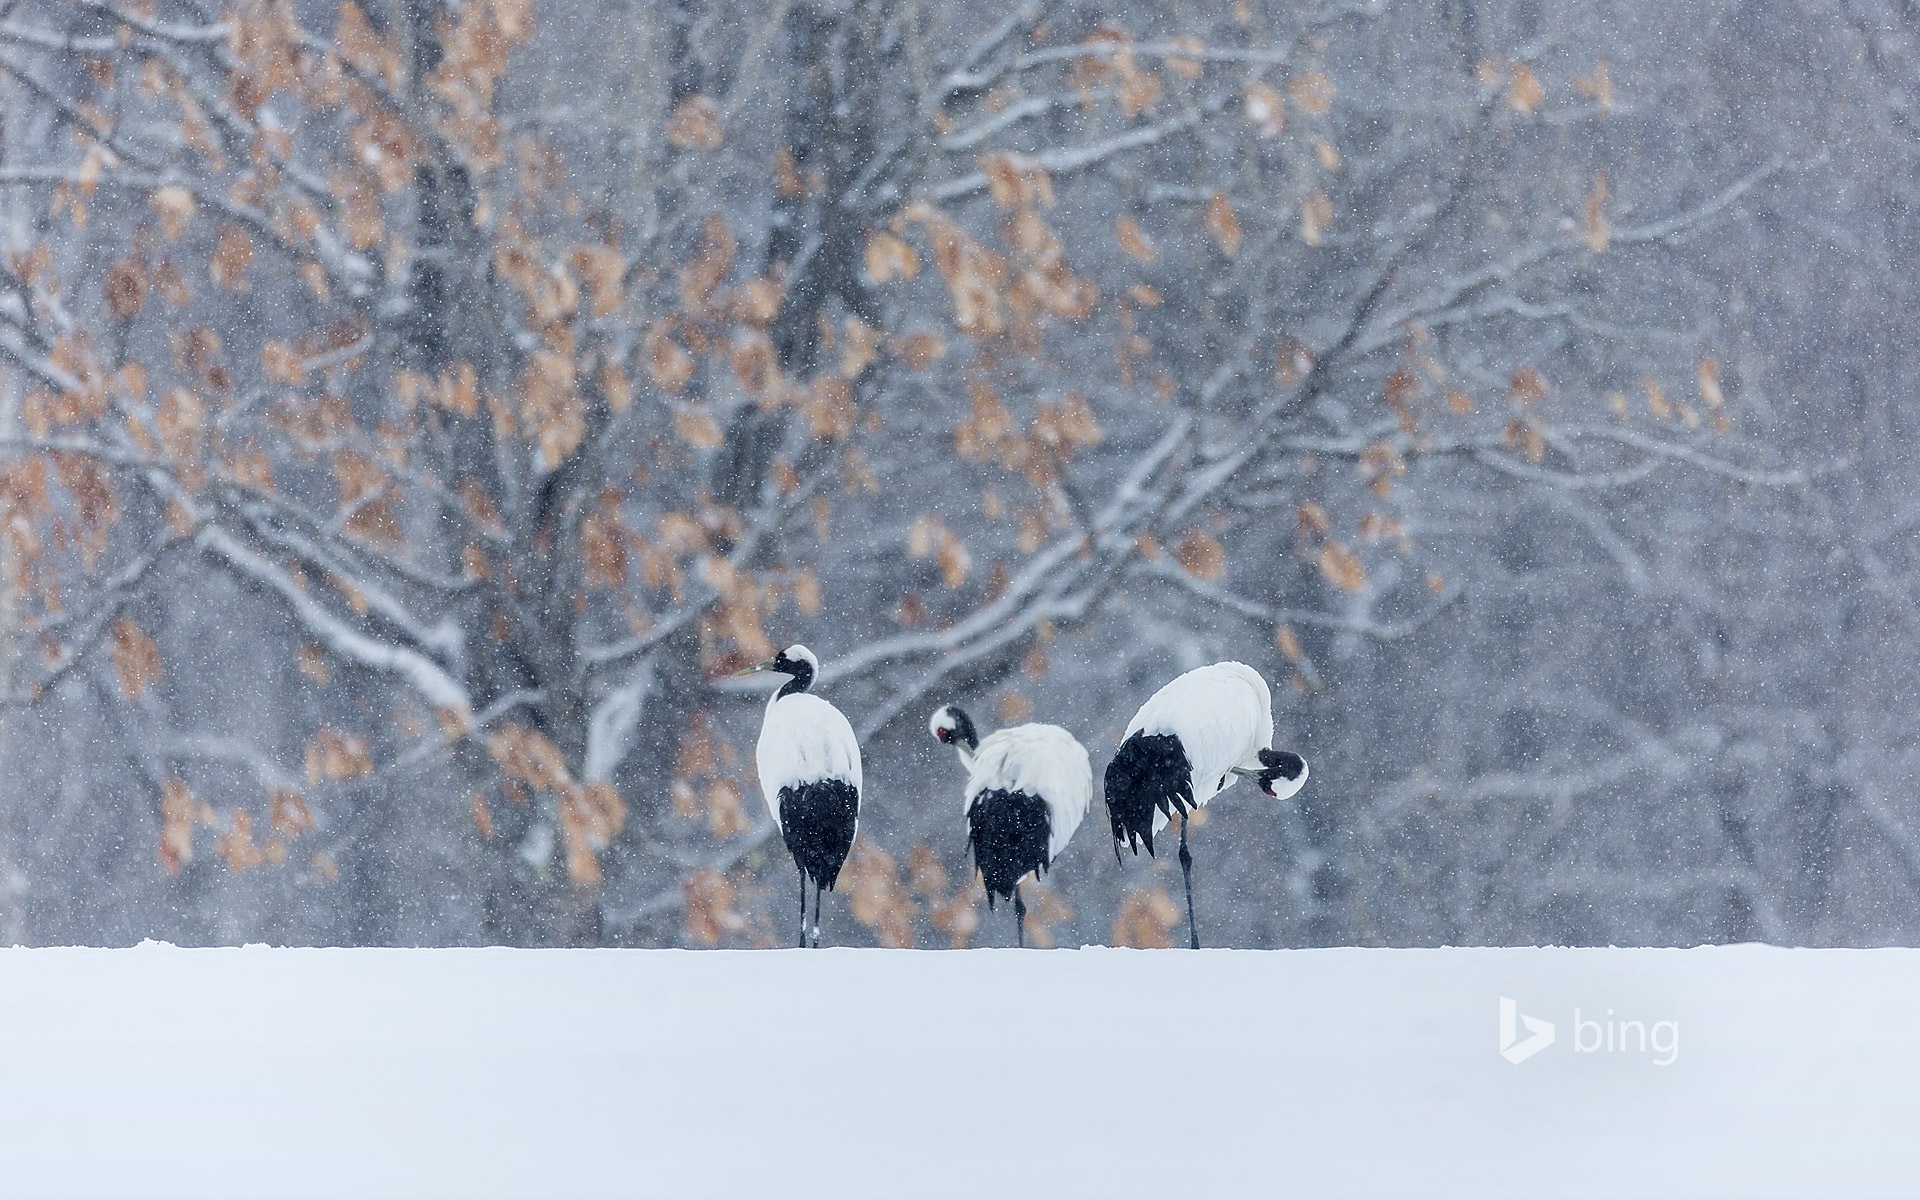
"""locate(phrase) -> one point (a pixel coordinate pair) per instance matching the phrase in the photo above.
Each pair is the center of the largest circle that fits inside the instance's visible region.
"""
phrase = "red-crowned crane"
(1028, 786)
(1185, 746)
(809, 764)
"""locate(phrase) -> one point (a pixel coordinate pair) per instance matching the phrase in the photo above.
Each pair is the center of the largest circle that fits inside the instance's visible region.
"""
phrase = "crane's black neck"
(799, 672)
(965, 736)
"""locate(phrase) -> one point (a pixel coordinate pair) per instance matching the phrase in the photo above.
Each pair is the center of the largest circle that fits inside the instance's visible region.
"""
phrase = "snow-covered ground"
(257, 1072)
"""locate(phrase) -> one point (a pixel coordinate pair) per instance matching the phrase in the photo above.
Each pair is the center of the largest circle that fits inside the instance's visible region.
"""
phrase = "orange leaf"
(1288, 643)
(236, 845)
(879, 900)
(1264, 107)
(1201, 555)
(1316, 217)
(696, 125)
(174, 206)
(232, 254)
(136, 660)
(1146, 919)
(1222, 224)
(1528, 386)
(179, 812)
(889, 258)
(667, 364)
(1707, 375)
(1342, 568)
(288, 811)
(1594, 230)
(335, 755)
(1313, 91)
(710, 912)
(1133, 241)
(1523, 90)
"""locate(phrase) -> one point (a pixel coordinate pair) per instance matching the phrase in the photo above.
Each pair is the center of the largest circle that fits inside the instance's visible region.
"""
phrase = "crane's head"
(953, 727)
(796, 661)
(1282, 773)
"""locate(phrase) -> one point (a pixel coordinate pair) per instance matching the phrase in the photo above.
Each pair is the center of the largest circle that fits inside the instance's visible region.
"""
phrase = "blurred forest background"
(408, 406)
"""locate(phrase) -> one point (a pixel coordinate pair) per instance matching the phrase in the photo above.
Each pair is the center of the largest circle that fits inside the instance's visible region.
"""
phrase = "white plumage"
(1186, 745)
(1223, 716)
(1041, 760)
(1028, 788)
(809, 764)
(804, 739)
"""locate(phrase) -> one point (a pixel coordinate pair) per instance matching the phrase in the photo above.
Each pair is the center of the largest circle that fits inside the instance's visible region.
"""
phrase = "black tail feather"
(1009, 833)
(1149, 774)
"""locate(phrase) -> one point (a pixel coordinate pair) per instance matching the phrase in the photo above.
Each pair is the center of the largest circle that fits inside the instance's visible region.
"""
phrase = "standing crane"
(1028, 786)
(1186, 745)
(809, 763)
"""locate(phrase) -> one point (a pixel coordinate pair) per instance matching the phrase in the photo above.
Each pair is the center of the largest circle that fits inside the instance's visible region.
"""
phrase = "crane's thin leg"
(816, 914)
(1186, 872)
(803, 908)
(1019, 918)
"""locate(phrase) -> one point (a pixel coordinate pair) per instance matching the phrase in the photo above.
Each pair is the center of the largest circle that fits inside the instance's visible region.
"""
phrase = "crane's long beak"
(755, 669)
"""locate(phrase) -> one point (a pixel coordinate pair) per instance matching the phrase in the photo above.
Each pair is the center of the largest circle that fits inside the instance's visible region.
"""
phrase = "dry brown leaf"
(859, 347)
(1222, 224)
(710, 265)
(921, 350)
(1045, 909)
(1527, 386)
(1201, 555)
(1313, 519)
(1707, 376)
(668, 365)
(1316, 217)
(1594, 230)
(232, 254)
(237, 846)
(726, 811)
(1376, 526)
(180, 812)
(1523, 89)
(1596, 85)
(590, 816)
(174, 206)
(313, 663)
(334, 755)
(288, 812)
(806, 592)
(755, 362)
(1133, 241)
(1342, 568)
(126, 289)
(888, 258)
(1313, 91)
(710, 908)
(1139, 91)
(481, 814)
(829, 408)
(879, 900)
(1656, 398)
(696, 125)
(1264, 107)
(1146, 920)
(603, 544)
(528, 756)
(136, 659)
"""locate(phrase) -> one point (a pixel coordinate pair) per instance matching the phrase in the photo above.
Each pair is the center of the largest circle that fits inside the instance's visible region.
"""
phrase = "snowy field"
(257, 1072)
